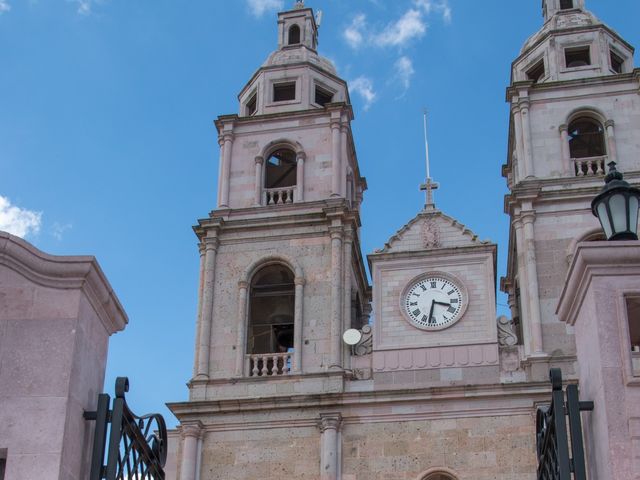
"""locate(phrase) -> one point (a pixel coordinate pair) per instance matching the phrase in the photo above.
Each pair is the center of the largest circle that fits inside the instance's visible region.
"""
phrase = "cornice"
(65, 272)
(593, 259)
(482, 394)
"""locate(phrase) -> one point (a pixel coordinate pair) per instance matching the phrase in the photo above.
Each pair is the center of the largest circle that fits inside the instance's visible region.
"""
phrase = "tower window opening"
(281, 169)
(633, 319)
(616, 62)
(577, 57)
(252, 105)
(294, 35)
(284, 91)
(566, 4)
(323, 96)
(586, 138)
(537, 72)
(271, 320)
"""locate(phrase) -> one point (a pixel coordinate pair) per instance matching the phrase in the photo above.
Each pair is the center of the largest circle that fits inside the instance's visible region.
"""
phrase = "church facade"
(436, 387)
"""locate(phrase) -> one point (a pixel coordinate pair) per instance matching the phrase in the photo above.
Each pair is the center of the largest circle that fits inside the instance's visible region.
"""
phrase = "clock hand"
(442, 303)
(431, 311)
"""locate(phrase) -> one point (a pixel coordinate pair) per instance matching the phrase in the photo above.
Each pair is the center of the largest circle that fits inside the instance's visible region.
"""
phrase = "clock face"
(434, 302)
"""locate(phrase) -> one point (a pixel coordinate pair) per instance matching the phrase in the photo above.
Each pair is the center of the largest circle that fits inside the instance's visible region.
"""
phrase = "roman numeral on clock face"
(433, 284)
(416, 312)
(413, 304)
(451, 309)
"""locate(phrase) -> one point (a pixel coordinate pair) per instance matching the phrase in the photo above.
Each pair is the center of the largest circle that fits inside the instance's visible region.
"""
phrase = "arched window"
(271, 313)
(440, 476)
(280, 177)
(586, 138)
(294, 35)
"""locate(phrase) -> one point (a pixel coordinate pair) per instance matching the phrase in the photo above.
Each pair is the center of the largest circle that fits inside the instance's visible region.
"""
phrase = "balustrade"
(269, 364)
(279, 196)
(589, 166)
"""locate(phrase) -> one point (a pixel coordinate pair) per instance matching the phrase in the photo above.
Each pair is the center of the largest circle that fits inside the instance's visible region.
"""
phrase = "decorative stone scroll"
(430, 233)
(507, 336)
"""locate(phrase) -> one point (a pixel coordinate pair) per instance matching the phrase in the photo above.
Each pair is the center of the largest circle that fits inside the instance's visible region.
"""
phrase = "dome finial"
(299, 4)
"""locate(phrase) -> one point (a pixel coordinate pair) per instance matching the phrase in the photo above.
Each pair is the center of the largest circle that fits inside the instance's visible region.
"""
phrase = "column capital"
(335, 124)
(563, 128)
(301, 156)
(228, 136)
(243, 284)
(220, 140)
(527, 216)
(259, 160)
(609, 123)
(330, 421)
(191, 430)
(299, 281)
(335, 232)
(211, 243)
(201, 248)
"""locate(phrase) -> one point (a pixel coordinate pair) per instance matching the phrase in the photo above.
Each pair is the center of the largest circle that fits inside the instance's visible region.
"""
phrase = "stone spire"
(551, 7)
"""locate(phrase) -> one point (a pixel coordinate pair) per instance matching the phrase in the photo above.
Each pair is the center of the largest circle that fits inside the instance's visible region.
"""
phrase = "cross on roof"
(429, 186)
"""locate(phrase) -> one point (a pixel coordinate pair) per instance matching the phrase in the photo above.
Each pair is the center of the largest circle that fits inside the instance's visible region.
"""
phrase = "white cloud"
(58, 229)
(18, 221)
(259, 7)
(85, 7)
(442, 7)
(411, 25)
(404, 71)
(4, 6)
(354, 33)
(363, 86)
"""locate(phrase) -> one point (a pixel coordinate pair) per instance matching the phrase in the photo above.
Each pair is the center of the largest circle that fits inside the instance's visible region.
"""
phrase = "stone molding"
(192, 430)
(436, 471)
(454, 356)
(271, 259)
(330, 421)
(593, 259)
(65, 272)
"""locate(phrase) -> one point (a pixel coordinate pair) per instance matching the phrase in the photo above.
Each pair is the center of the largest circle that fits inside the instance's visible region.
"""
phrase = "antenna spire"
(429, 185)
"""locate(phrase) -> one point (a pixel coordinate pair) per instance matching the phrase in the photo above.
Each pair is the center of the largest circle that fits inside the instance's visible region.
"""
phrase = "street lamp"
(617, 207)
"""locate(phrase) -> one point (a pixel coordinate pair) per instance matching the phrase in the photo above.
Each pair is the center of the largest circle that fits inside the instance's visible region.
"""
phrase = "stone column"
(518, 172)
(257, 198)
(336, 297)
(297, 325)
(329, 425)
(524, 291)
(526, 137)
(242, 327)
(226, 170)
(611, 142)
(204, 341)
(346, 304)
(535, 321)
(335, 158)
(220, 162)
(566, 154)
(201, 249)
(300, 177)
(190, 436)
(345, 148)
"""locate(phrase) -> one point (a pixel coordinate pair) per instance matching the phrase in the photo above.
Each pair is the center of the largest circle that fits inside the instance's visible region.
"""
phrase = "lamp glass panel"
(618, 207)
(604, 219)
(633, 213)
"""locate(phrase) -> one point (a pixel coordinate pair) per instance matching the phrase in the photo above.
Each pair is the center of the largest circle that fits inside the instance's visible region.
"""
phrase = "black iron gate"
(137, 446)
(552, 438)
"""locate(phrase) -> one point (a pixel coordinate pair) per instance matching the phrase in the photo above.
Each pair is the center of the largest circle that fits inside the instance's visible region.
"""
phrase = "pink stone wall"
(56, 315)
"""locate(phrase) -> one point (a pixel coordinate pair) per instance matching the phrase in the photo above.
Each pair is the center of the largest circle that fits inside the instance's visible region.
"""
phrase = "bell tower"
(282, 275)
(574, 102)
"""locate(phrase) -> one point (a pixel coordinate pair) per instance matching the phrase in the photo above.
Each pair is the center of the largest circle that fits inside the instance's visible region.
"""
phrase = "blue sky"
(107, 143)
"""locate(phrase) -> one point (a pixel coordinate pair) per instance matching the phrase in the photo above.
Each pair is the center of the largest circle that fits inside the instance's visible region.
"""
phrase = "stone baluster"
(254, 370)
(265, 366)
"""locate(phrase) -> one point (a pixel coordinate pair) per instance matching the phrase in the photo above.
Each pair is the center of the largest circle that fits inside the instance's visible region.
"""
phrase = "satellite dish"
(318, 18)
(352, 336)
